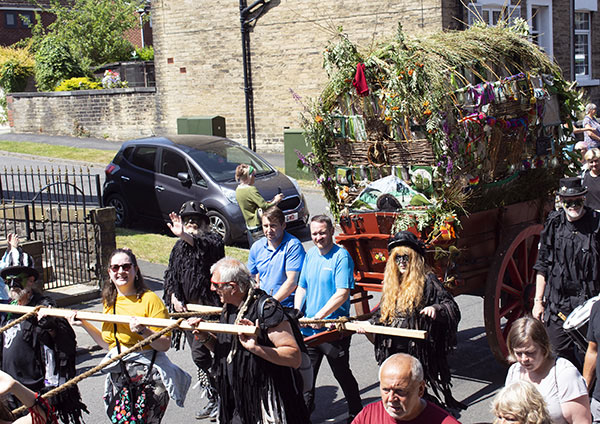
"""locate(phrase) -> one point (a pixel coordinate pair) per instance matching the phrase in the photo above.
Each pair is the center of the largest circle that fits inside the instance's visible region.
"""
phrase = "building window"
(582, 45)
(540, 25)
(26, 19)
(10, 19)
(491, 14)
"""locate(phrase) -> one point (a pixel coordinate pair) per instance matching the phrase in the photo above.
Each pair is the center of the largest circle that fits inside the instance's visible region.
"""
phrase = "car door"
(172, 192)
(137, 181)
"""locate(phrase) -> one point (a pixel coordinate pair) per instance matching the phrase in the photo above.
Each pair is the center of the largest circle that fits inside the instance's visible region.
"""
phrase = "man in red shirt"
(402, 387)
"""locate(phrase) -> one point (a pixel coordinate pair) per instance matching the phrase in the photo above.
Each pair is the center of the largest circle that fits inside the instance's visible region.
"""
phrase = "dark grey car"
(152, 177)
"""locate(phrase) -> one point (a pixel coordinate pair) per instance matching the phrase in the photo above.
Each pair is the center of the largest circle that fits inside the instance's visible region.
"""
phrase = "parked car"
(152, 177)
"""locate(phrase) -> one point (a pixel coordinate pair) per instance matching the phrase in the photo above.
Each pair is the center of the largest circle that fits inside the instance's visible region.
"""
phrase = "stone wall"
(118, 114)
(198, 55)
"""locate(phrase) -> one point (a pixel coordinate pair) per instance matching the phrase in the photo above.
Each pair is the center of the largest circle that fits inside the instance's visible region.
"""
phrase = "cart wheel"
(510, 286)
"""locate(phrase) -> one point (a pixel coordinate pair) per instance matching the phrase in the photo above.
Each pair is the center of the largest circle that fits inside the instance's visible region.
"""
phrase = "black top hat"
(571, 187)
(193, 208)
(20, 262)
(408, 239)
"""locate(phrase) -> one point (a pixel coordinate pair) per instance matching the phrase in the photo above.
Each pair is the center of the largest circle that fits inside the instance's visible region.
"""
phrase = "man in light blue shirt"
(323, 293)
(276, 259)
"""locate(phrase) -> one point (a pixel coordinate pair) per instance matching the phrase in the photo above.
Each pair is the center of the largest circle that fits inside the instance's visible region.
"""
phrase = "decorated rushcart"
(460, 137)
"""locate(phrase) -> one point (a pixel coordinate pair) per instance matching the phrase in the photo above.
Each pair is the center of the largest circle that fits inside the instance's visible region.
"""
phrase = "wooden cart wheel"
(510, 286)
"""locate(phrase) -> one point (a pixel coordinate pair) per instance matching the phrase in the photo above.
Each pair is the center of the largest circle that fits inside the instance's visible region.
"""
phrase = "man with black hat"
(324, 293)
(187, 280)
(568, 265)
(39, 352)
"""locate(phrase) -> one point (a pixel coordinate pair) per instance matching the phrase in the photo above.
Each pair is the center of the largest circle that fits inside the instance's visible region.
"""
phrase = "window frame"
(15, 17)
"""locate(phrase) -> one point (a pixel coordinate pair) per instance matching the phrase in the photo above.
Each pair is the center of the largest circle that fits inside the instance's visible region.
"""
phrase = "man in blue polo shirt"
(276, 259)
(324, 293)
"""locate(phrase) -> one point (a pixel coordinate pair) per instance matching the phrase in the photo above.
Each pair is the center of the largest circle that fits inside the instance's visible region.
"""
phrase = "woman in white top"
(558, 381)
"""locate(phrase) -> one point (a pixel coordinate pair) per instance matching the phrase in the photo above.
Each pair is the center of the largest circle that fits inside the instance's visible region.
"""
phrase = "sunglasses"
(401, 259)
(575, 203)
(115, 268)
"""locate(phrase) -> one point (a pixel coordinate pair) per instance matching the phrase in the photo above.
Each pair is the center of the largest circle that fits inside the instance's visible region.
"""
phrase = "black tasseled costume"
(57, 335)
(432, 352)
(568, 258)
(248, 381)
(188, 274)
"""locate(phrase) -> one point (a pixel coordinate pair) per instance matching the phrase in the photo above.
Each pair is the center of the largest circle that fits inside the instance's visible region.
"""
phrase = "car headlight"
(229, 194)
(293, 180)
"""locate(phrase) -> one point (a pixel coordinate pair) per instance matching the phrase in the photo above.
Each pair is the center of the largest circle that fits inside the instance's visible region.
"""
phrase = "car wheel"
(118, 202)
(220, 225)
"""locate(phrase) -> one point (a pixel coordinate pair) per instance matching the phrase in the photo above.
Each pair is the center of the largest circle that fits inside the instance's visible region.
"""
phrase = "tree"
(94, 30)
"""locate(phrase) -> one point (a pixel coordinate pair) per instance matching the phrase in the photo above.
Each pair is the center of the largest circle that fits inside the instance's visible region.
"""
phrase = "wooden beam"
(204, 308)
(124, 319)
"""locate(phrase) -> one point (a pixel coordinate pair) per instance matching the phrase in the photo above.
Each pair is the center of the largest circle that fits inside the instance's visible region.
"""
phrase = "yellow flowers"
(318, 119)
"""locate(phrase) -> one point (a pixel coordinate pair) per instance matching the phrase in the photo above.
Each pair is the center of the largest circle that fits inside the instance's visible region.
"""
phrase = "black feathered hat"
(571, 187)
(408, 239)
(194, 208)
(19, 263)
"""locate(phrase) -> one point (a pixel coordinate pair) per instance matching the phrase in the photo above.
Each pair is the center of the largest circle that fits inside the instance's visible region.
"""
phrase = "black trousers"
(201, 355)
(338, 357)
(564, 345)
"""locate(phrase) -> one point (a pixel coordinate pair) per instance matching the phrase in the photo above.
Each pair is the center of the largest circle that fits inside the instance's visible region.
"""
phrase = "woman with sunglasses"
(250, 201)
(412, 297)
(127, 294)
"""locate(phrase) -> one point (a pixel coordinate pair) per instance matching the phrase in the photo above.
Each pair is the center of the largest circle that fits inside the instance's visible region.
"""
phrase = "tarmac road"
(476, 374)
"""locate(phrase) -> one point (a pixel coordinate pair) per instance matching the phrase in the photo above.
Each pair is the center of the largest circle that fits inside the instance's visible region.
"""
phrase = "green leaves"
(54, 62)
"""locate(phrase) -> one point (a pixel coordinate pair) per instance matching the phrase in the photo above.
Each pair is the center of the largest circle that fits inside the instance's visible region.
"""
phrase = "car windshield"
(219, 160)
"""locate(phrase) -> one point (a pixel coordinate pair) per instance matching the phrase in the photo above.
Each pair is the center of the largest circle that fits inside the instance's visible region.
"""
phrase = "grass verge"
(156, 248)
(101, 157)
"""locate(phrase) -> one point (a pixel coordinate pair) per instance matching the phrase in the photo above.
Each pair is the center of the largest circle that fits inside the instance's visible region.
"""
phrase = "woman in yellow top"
(127, 294)
(251, 201)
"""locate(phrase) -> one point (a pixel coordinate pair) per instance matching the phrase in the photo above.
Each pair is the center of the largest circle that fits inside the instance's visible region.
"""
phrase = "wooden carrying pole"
(204, 309)
(124, 319)
(373, 329)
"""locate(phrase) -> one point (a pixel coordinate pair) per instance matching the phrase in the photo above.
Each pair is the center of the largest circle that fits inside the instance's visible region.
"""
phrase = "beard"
(18, 295)
(394, 412)
(574, 214)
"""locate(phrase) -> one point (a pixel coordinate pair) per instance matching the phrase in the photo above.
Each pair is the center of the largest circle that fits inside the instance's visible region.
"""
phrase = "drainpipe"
(248, 92)
(572, 40)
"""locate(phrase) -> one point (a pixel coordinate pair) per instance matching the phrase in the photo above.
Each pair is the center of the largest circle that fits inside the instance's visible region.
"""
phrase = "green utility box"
(205, 125)
(293, 139)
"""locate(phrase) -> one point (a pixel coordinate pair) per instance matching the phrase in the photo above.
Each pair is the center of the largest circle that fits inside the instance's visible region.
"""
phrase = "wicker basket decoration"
(399, 153)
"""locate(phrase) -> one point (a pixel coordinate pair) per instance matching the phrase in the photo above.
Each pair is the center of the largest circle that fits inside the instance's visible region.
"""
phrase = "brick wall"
(198, 55)
(118, 114)
(10, 35)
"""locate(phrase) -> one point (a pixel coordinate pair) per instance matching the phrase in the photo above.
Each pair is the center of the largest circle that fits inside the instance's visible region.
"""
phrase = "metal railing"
(22, 185)
(15, 220)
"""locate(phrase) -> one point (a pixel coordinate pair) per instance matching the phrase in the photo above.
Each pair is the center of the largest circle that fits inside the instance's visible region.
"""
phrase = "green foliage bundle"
(80, 83)
(16, 64)
(55, 62)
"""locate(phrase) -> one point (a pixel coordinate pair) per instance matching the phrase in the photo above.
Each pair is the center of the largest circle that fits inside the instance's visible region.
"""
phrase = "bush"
(16, 65)
(82, 83)
(54, 63)
(145, 53)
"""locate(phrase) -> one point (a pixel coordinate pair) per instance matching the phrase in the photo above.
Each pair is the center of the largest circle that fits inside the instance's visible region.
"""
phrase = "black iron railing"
(21, 185)
(15, 220)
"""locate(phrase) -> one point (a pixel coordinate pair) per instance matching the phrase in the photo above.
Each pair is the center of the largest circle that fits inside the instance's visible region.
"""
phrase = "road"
(476, 375)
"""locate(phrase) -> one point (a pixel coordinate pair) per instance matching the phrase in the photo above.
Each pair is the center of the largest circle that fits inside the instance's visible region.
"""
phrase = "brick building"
(12, 27)
(198, 51)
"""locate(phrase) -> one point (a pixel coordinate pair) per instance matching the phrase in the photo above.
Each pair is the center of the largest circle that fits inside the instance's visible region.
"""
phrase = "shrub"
(54, 62)
(82, 83)
(16, 65)
(145, 53)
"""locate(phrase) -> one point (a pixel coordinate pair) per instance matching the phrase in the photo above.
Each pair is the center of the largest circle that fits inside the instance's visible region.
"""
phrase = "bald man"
(402, 387)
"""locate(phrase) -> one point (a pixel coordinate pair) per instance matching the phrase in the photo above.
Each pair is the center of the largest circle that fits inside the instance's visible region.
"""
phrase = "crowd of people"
(270, 375)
